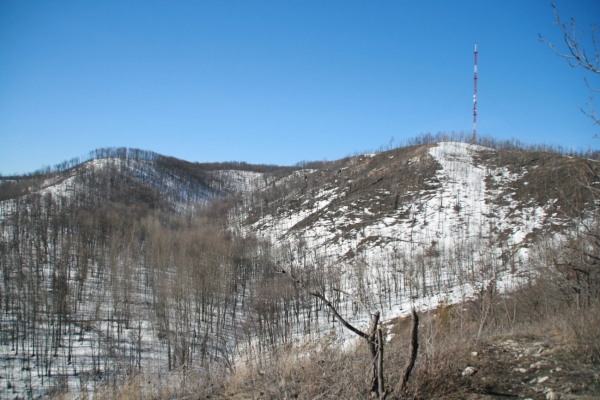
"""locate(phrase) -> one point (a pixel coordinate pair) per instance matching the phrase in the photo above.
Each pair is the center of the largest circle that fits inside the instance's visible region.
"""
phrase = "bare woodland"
(113, 285)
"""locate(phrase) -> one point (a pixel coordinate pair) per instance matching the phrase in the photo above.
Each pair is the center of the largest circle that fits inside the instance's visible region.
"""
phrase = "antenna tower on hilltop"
(475, 94)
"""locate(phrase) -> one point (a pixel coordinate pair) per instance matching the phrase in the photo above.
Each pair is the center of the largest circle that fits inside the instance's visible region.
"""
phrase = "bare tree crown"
(576, 55)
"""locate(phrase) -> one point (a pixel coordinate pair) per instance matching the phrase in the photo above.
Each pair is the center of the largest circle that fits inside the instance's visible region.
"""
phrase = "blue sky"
(280, 81)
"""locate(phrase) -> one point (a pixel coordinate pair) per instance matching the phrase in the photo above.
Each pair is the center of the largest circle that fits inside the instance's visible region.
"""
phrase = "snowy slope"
(449, 240)
(459, 206)
(81, 360)
(180, 188)
(409, 227)
(236, 181)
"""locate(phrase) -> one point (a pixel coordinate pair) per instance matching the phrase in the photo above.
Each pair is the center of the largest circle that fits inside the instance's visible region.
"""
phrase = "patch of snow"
(455, 223)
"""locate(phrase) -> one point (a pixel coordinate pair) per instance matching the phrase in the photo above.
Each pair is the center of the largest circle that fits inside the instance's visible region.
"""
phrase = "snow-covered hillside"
(62, 324)
(184, 191)
(428, 249)
(169, 183)
(236, 181)
(105, 271)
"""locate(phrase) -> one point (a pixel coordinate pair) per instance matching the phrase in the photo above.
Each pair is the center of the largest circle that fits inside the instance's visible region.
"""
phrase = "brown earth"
(528, 367)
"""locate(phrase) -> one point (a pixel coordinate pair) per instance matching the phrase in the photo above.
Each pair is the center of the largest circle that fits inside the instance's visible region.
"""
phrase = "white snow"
(458, 220)
(444, 246)
(240, 181)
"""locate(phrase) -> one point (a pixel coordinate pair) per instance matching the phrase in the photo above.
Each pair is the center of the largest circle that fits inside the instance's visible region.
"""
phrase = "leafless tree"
(576, 55)
(374, 338)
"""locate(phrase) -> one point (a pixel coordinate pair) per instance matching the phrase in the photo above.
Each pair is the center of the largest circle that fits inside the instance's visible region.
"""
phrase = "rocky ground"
(528, 367)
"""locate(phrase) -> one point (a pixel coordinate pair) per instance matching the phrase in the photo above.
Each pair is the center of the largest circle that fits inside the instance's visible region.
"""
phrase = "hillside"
(136, 263)
(435, 222)
(137, 176)
(78, 250)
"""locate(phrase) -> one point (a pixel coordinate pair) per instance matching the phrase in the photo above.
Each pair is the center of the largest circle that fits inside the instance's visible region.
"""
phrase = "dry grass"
(180, 384)
(315, 370)
(448, 337)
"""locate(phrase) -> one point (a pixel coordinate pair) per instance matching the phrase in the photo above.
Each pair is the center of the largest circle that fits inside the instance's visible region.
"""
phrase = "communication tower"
(475, 94)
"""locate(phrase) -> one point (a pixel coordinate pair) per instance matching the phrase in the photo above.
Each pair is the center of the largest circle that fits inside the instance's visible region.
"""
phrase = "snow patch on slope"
(457, 221)
(240, 181)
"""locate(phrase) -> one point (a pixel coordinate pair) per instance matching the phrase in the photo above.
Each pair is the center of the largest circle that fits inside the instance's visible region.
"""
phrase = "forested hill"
(131, 176)
(130, 262)
(75, 244)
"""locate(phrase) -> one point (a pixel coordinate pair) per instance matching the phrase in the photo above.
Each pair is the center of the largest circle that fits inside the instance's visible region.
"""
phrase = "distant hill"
(150, 179)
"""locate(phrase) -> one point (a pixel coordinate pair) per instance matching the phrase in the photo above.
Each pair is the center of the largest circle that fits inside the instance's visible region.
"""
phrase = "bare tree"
(374, 338)
(576, 55)
(414, 348)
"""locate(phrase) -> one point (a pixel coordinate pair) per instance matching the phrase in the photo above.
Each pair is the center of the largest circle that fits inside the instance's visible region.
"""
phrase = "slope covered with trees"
(132, 264)
(120, 262)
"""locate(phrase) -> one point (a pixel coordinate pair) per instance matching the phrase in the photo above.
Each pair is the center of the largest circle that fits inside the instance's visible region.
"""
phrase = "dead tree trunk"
(374, 348)
(414, 347)
(374, 338)
(380, 384)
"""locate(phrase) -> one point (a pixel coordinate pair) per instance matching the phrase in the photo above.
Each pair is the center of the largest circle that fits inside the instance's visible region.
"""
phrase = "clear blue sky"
(280, 81)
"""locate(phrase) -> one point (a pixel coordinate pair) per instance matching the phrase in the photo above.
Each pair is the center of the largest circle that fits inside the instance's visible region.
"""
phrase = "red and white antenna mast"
(475, 94)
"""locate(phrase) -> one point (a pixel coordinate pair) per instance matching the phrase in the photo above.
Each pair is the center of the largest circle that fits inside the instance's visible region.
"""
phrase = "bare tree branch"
(328, 304)
(577, 56)
(374, 338)
(592, 112)
(591, 89)
(355, 299)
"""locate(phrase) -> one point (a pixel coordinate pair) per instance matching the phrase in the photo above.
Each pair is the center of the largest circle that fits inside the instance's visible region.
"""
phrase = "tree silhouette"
(576, 55)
